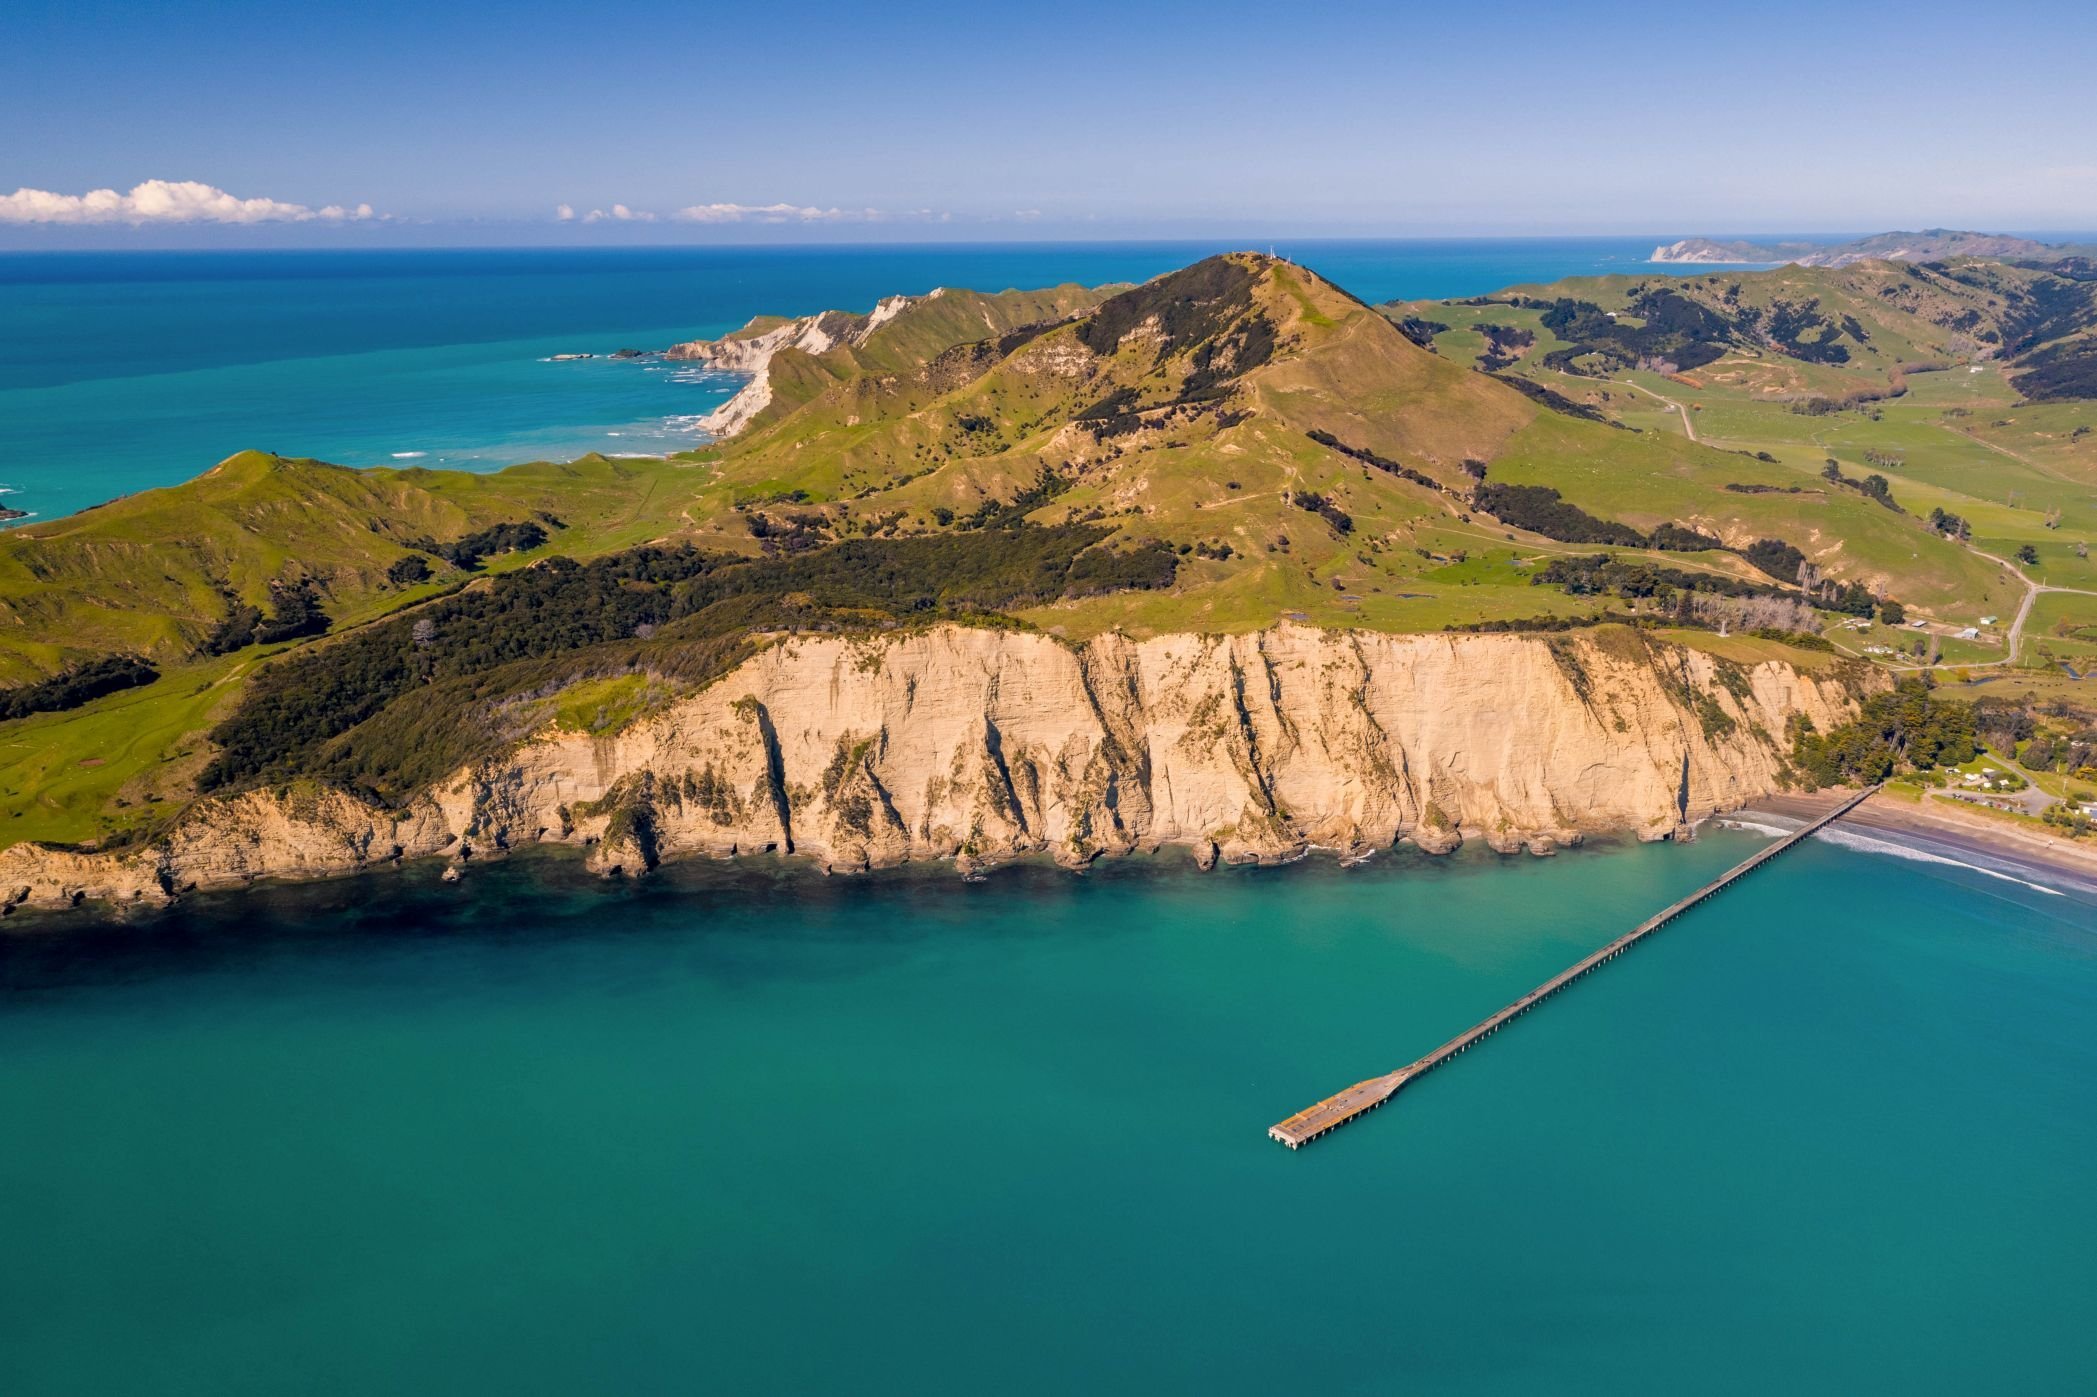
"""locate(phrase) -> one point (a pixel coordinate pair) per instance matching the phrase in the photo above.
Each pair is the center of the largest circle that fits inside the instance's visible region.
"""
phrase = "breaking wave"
(1757, 827)
(1865, 844)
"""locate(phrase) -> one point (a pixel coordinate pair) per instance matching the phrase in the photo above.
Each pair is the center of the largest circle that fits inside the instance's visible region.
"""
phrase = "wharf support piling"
(1337, 1110)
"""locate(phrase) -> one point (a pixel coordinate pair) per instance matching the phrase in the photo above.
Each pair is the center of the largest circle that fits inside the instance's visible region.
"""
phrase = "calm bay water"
(751, 1130)
(120, 372)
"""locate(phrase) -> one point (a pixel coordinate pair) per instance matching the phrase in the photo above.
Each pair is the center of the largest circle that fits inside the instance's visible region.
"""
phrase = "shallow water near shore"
(747, 1129)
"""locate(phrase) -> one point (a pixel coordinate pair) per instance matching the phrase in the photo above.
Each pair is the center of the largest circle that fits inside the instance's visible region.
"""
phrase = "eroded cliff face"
(752, 353)
(982, 745)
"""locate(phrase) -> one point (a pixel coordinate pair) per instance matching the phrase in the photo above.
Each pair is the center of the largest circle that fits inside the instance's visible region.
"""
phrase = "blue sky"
(478, 122)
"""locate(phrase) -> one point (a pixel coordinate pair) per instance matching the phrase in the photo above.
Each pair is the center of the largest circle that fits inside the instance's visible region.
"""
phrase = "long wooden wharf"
(1341, 1107)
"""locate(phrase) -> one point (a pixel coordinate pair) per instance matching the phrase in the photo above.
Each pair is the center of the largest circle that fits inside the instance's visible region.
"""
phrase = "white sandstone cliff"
(986, 745)
(751, 353)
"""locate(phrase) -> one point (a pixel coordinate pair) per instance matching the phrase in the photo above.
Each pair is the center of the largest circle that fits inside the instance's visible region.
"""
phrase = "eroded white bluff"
(985, 745)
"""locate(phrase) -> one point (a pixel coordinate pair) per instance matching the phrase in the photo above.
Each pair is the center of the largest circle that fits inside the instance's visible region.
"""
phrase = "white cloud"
(618, 213)
(746, 213)
(771, 213)
(164, 201)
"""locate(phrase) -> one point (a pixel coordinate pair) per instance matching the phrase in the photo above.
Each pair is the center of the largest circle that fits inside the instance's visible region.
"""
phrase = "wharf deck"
(1337, 1110)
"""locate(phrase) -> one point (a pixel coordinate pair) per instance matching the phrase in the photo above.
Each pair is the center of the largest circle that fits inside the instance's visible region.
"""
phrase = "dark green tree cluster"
(1774, 557)
(1421, 332)
(1872, 487)
(1677, 538)
(1504, 344)
(76, 686)
(466, 553)
(1342, 522)
(294, 613)
(1671, 328)
(2004, 723)
(1909, 729)
(1801, 331)
(1596, 574)
(1542, 510)
(1548, 397)
(1191, 305)
(1385, 463)
(1012, 513)
(430, 671)
(2061, 371)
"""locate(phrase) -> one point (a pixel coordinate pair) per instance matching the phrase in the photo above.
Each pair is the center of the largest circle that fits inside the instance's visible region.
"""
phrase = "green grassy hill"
(1966, 386)
(1796, 334)
(1220, 449)
(153, 573)
(1185, 411)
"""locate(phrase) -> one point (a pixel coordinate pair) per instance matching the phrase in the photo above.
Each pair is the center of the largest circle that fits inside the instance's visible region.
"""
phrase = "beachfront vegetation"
(1909, 729)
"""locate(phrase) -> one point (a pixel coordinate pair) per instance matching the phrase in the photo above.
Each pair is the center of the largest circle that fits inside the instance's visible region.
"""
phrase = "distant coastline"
(1929, 245)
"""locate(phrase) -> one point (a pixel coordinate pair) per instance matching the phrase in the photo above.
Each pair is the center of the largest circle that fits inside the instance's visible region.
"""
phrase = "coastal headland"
(1229, 560)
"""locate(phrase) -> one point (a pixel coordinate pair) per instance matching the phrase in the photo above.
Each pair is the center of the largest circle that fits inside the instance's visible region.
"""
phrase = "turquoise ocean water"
(748, 1130)
(119, 372)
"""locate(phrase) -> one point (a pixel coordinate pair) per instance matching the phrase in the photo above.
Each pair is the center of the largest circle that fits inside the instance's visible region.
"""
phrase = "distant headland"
(1929, 245)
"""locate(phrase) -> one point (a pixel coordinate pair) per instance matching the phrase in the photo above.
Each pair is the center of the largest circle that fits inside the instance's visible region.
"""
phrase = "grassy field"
(118, 765)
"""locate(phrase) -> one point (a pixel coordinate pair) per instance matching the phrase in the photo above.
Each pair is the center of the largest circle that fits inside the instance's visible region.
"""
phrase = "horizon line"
(2059, 235)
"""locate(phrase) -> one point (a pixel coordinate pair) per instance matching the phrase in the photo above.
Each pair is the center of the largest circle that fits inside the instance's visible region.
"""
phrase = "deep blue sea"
(123, 371)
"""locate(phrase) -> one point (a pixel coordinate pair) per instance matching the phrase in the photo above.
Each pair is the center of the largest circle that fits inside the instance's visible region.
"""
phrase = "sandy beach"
(1945, 827)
